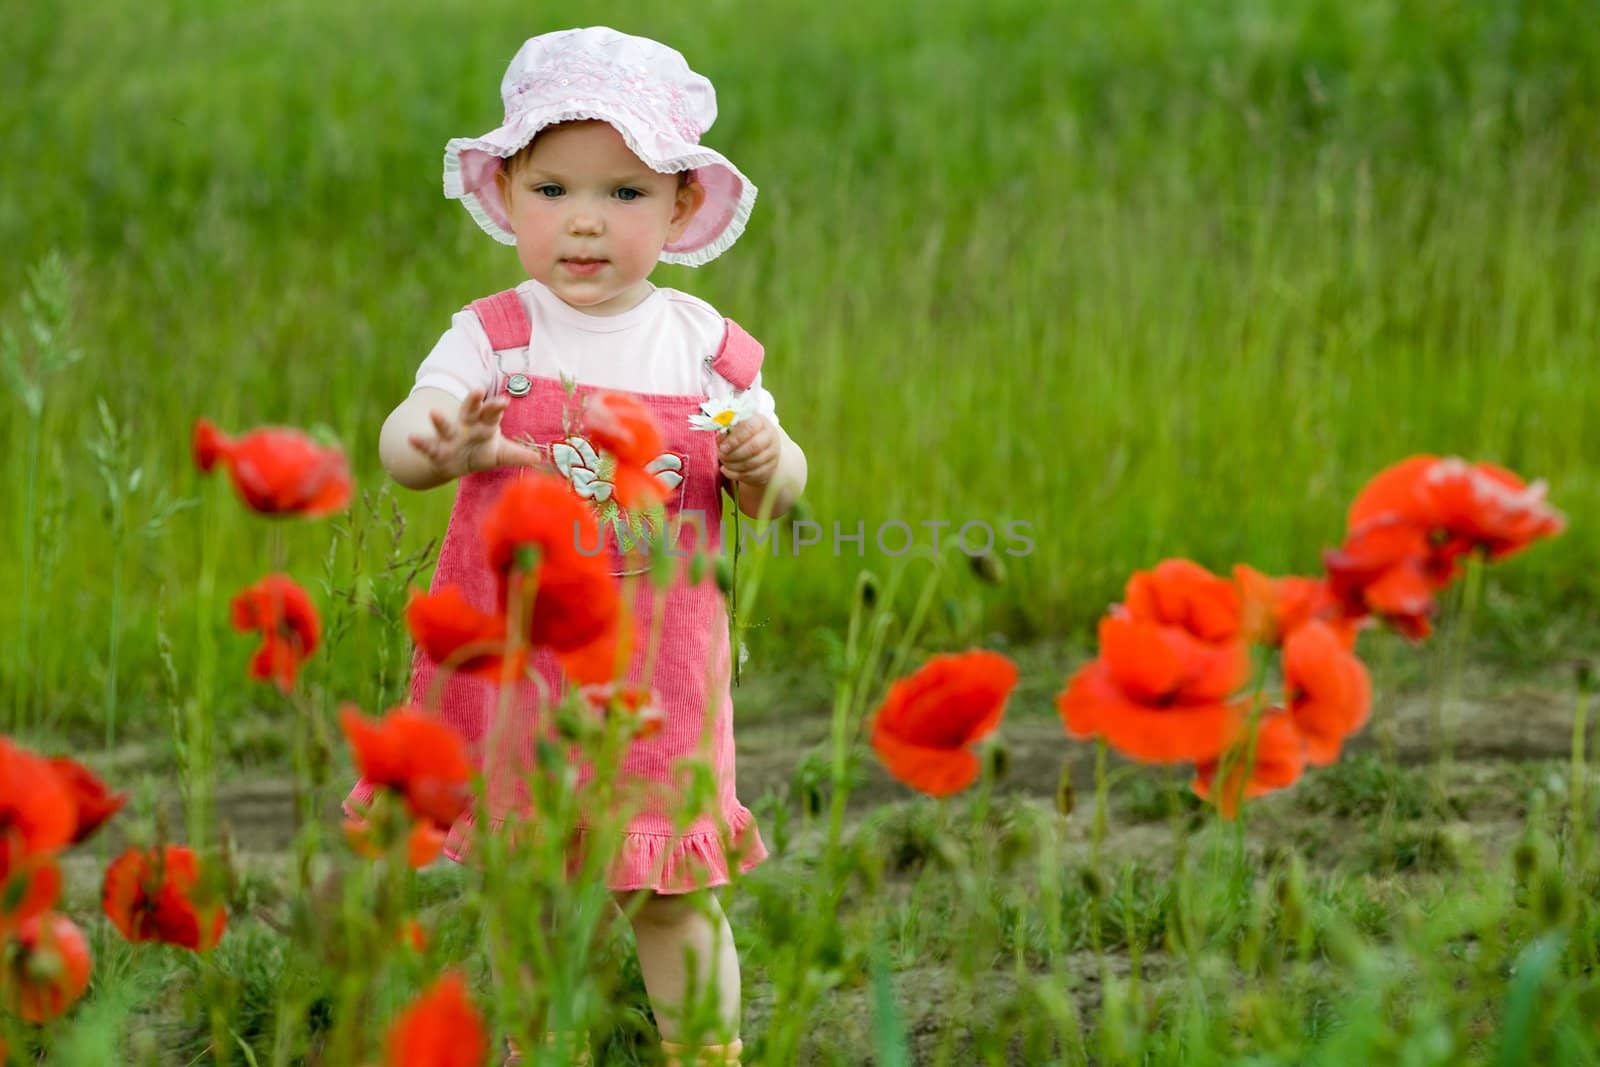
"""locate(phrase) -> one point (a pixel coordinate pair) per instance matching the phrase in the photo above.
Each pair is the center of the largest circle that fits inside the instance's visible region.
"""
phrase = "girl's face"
(591, 218)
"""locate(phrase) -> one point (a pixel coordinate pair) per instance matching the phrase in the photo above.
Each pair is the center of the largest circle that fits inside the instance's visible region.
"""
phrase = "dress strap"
(504, 319)
(739, 358)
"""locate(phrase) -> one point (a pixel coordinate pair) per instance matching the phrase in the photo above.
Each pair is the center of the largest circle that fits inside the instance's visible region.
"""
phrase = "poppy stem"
(1579, 777)
(1101, 794)
(1450, 693)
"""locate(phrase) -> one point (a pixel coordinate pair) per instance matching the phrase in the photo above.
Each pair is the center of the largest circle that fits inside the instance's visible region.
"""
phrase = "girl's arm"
(422, 446)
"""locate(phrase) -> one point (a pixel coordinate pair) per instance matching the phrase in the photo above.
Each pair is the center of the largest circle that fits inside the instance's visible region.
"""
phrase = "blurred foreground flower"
(150, 895)
(1276, 763)
(441, 1029)
(94, 802)
(1273, 608)
(571, 598)
(624, 427)
(1329, 691)
(1462, 507)
(277, 470)
(424, 842)
(1157, 693)
(44, 968)
(637, 705)
(38, 817)
(448, 629)
(290, 630)
(415, 755)
(927, 724)
(1411, 525)
(1182, 594)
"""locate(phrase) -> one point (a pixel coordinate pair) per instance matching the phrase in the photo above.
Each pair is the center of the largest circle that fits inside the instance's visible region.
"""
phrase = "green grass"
(1159, 278)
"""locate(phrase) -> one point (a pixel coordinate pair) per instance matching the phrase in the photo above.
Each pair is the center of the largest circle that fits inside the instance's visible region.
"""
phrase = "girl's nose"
(584, 223)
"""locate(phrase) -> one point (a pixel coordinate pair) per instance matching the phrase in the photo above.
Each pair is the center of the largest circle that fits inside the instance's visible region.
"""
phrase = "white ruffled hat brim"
(471, 164)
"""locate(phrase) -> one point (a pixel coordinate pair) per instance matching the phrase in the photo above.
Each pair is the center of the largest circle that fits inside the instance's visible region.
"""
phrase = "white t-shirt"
(660, 345)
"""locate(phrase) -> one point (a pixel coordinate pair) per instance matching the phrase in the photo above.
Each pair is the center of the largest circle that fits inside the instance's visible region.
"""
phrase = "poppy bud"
(1093, 884)
(1525, 859)
(568, 726)
(549, 757)
(725, 574)
(662, 566)
(1551, 901)
(799, 511)
(811, 797)
(1064, 797)
(987, 568)
(1291, 893)
(867, 590)
(999, 760)
(699, 563)
(1583, 671)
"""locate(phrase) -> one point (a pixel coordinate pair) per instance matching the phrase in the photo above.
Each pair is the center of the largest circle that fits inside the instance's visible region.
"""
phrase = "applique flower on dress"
(720, 413)
(590, 473)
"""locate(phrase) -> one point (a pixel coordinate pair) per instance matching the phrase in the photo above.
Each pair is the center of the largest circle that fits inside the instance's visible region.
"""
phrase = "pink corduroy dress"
(691, 670)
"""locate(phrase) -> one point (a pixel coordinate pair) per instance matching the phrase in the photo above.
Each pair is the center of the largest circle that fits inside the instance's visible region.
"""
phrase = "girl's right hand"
(472, 441)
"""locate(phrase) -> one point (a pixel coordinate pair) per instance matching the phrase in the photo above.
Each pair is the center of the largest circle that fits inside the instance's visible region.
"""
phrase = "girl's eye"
(549, 189)
(628, 193)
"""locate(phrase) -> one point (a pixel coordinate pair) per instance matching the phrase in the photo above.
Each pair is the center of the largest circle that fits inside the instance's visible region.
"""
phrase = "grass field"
(1157, 278)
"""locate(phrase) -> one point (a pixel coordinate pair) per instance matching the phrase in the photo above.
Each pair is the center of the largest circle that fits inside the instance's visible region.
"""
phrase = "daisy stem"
(733, 595)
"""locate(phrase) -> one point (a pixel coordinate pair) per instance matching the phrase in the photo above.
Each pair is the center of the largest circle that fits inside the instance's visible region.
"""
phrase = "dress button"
(518, 385)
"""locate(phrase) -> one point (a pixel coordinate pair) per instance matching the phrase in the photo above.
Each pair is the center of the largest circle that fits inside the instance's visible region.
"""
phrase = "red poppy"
(46, 969)
(1277, 763)
(413, 936)
(277, 470)
(624, 428)
(29, 889)
(37, 817)
(638, 704)
(424, 841)
(95, 803)
(574, 596)
(416, 755)
(1385, 569)
(150, 895)
(603, 659)
(928, 722)
(1273, 608)
(441, 1029)
(1330, 693)
(1463, 507)
(1178, 592)
(450, 630)
(1157, 693)
(290, 630)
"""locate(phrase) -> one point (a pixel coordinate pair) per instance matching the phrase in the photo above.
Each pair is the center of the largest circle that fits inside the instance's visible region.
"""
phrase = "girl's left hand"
(750, 451)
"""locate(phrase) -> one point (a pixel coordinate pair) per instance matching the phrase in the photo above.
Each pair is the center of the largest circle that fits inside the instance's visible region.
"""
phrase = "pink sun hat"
(642, 88)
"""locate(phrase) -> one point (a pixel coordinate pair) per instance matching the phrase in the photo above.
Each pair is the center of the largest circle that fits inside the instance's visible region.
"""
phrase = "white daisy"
(721, 413)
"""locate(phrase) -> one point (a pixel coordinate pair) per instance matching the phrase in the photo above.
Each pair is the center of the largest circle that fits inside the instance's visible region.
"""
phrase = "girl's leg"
(685, 944)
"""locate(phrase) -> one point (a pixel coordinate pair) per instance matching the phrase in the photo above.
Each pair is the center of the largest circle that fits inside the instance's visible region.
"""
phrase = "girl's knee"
(667, 909)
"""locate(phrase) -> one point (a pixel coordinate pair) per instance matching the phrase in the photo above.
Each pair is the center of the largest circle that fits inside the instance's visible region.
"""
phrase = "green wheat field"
(1155, 278)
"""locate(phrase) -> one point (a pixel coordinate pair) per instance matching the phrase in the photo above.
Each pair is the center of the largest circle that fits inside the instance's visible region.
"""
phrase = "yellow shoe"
(679, 1055)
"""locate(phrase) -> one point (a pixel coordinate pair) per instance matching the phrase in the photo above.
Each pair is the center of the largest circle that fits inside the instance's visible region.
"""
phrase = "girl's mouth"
(583, 267)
